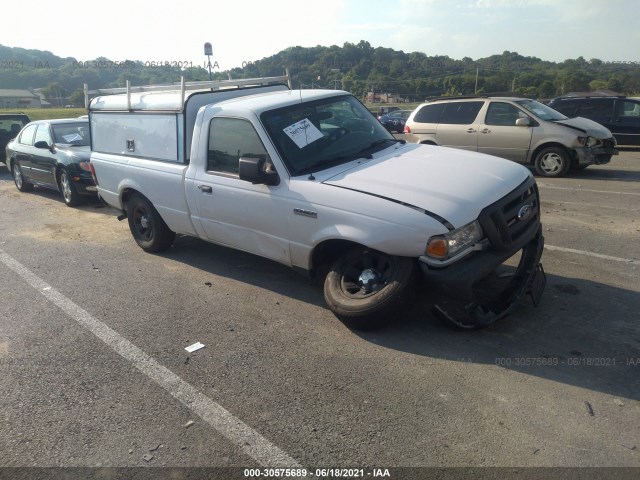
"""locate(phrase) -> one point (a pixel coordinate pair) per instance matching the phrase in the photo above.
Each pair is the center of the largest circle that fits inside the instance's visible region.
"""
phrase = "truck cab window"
(230, 139)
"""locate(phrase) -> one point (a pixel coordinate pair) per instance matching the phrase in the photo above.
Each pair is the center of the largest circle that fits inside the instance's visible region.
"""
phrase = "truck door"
(231, 211)
(500, 136)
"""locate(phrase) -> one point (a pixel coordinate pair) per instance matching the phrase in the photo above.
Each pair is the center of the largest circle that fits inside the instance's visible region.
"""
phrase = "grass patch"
(47, 113)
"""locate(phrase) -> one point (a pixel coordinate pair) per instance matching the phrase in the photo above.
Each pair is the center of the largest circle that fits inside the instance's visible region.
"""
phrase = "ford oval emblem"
(525, 212)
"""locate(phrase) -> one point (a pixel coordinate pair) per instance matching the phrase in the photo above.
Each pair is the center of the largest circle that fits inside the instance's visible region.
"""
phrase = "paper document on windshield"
(74, 137)
(303, 132)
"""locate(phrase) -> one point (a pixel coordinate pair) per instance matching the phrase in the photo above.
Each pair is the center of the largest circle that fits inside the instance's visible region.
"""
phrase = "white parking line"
(592, 254)
(247, 439)
(575, 189)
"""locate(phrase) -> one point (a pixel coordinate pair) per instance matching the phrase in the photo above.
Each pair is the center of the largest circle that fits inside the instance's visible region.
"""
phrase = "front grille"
(506, 221)
(609, 143)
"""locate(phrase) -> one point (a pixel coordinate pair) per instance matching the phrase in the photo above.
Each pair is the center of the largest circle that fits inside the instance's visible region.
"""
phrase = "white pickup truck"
(311, 179)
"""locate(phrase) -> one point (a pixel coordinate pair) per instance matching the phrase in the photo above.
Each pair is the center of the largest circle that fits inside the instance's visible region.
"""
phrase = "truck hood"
(449, 183)
(591, 128)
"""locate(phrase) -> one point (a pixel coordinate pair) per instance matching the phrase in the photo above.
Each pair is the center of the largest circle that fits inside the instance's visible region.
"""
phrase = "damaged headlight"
(448, 245)
(588, 141)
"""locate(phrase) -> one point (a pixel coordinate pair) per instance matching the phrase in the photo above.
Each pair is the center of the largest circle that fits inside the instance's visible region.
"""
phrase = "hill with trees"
(358, 68)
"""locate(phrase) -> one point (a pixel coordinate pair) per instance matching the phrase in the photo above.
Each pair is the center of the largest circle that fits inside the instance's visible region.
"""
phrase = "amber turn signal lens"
(438, 248)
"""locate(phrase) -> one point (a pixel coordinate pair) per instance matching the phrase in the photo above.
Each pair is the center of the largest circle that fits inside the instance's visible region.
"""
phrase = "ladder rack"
(183, 87)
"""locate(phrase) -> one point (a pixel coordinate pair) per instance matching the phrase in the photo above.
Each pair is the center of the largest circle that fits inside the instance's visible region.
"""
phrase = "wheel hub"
(551, 163)
(369, 279)
(145, 221)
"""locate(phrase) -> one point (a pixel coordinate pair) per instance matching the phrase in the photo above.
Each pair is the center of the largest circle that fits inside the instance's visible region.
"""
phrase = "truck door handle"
(471, 130)
(205, 188)
(486, 130)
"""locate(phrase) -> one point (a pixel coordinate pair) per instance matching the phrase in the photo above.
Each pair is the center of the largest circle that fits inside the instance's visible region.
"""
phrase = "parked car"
(10, 126)
(385, 110)
(53, 154)
(619, 114)
(394, 121)
(519, 129)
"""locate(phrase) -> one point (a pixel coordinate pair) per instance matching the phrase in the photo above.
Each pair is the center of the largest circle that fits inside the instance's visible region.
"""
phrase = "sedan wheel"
(68, 189)
(21, 184)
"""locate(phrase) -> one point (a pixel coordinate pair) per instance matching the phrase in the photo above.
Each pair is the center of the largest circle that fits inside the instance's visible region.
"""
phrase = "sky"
(249, 30)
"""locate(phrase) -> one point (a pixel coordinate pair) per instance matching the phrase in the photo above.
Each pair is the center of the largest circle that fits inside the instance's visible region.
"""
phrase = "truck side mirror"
(523, 122)
(252, 169)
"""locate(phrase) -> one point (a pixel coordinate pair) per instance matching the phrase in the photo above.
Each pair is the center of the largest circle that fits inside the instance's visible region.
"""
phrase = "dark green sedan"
(53, 154)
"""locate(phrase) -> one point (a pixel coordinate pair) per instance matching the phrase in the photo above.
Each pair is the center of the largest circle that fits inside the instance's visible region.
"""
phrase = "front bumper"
(594, 155)
(468, 297)
(480, 288)
(460, 278)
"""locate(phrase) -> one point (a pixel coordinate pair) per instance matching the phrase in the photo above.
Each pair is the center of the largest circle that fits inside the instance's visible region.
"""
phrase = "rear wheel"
(21, 183)
(68, 189)
(366, 289)
(552, 162)
(147, 226)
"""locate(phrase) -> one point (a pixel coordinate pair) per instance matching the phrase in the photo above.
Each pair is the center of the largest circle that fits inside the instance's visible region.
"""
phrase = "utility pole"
(477, 74)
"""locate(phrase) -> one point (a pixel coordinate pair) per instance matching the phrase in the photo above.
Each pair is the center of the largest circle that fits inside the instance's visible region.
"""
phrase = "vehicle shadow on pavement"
(89, 203)
(583, 333)
(246, 268)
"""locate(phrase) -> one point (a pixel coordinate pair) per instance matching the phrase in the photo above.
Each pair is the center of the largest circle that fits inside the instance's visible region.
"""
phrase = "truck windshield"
(311, 136)
(540, 110)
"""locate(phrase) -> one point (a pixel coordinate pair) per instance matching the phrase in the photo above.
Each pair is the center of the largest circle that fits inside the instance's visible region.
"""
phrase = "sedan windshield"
(71, 133)
(540, 110)
(312, 136)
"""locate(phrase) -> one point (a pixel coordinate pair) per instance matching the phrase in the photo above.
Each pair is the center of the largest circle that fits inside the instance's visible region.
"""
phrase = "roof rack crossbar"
(183, 86)
(214, 85)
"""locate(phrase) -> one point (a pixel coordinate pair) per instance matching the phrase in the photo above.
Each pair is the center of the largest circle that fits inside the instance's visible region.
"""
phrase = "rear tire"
(68, 189)
(367, 289)
(147, 226)
(21, 183)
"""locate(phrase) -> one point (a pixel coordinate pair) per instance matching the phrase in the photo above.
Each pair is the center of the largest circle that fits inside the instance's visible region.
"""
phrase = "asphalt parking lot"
(94, 372)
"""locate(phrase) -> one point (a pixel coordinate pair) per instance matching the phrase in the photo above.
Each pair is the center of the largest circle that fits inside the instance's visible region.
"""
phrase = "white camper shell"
(164, 115)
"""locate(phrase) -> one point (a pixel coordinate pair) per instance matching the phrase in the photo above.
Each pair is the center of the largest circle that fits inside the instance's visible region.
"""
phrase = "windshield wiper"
(330, 162)
(377, 143)
(333, 161)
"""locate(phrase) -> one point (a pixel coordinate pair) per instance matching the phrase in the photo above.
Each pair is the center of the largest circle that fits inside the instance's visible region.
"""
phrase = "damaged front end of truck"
(483, 271)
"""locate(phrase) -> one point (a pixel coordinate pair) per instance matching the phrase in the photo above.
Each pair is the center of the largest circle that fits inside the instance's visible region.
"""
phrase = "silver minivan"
(519, 129)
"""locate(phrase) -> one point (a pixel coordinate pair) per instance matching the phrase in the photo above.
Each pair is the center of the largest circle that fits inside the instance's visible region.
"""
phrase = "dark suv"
(10, 126)
(619, 114)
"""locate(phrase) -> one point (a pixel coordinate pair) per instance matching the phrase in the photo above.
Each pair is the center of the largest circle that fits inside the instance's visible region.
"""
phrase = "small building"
(43, 102)
(19, 99)
(383, 98)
